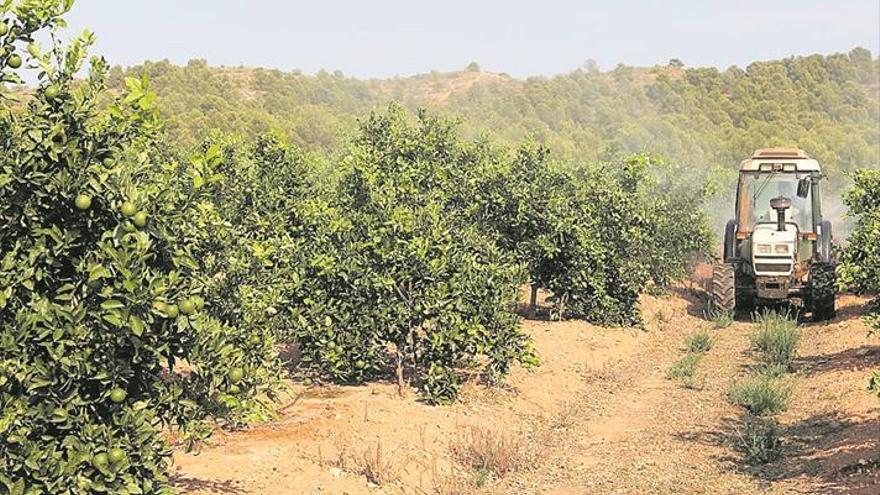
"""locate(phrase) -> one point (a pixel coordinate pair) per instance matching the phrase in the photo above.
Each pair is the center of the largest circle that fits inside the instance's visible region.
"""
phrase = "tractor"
(778, 247)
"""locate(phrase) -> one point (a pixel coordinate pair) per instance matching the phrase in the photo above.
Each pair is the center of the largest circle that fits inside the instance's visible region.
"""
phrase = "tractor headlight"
(762, 248)
(781, 248)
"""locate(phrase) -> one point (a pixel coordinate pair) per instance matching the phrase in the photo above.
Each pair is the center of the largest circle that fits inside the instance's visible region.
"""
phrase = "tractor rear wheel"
(823, 289)
(724, 287)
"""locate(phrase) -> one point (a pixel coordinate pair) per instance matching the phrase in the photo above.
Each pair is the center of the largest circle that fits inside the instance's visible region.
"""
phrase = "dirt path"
(599, 417)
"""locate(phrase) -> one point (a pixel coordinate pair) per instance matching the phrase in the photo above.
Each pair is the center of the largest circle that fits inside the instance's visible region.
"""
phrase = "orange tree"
(103, 338)
(249, 240)
(594, 236)
(395, 276)
(859, 268)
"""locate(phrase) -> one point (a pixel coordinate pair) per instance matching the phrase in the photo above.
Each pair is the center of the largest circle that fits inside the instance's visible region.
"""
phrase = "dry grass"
(490, 454)
(375, 466)
(454, 484)
(373, 463)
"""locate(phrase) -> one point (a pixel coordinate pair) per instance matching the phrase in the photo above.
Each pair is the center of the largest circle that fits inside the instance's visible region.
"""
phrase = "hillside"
(828, 105)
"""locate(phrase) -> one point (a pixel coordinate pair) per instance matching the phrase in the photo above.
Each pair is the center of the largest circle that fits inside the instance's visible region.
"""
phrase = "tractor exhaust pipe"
(780, 205)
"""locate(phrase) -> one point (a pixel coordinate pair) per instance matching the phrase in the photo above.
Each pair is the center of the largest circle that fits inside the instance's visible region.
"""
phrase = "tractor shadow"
(699, 306)
(832, 454)
(697, 300)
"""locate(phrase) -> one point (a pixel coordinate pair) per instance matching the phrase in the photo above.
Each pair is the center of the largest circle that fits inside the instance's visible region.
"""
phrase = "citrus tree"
(594, 236)
(248, 245)
(104, 340)
(396, 278)
(859, 269)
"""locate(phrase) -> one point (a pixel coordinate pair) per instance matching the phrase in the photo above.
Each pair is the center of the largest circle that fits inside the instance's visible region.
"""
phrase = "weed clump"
(759, 440)
(686, 367)
(776, 340)
(699, 342)
(761, 395)
(719, 317)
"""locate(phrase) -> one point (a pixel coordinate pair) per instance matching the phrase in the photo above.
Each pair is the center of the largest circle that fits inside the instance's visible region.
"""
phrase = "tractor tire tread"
(724, 286)
(823, 290)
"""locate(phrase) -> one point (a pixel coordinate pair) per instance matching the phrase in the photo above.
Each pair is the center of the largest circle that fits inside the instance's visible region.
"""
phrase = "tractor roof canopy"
(781, 160)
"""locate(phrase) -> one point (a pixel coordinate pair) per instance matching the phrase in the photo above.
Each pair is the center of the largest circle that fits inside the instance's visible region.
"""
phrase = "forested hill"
(828, 105)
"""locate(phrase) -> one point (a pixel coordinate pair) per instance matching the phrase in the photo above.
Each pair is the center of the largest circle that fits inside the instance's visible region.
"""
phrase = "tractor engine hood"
(773, 250)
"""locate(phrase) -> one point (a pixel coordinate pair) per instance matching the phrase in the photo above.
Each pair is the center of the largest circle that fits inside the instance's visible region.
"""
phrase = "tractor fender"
(730, 240)
(824, 242)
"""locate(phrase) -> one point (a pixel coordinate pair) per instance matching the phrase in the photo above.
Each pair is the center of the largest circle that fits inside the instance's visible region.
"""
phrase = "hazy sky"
(379, 38)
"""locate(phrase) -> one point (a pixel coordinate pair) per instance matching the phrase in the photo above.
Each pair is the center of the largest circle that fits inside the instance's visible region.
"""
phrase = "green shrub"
(760, 440)
(760, 395)
(100, 296)
(776, 340)
(699, 342)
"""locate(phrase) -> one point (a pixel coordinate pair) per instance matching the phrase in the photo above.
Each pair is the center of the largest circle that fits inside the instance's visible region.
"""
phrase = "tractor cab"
(778, 235)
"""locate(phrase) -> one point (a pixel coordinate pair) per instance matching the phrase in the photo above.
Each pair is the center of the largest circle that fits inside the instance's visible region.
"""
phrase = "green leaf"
(136, 325)
(112, 304)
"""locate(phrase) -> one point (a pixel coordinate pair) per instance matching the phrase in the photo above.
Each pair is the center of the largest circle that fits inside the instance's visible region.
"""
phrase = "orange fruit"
(83, 201)
(140, 219)
(187, 306)
(116, 455)
(52, 92)
(172, 311)
(117, 395)
(100, 461)
(128, 209)
(236, 374)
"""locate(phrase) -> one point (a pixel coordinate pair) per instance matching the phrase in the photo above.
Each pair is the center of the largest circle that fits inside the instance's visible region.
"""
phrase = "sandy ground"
(598, 416)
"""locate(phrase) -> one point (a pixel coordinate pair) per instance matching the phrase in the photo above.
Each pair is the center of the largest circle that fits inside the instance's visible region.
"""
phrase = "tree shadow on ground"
(186, 484)
(543, 306)
(541, 313)
(827, 453)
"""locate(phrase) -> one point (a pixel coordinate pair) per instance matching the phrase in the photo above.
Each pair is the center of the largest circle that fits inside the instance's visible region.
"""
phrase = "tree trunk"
(400, 383)
(533, 302)
(412, 353)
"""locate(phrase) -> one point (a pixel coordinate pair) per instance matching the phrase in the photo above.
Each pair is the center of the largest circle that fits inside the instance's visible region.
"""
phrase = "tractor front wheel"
(823, 289)
(724, 287)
